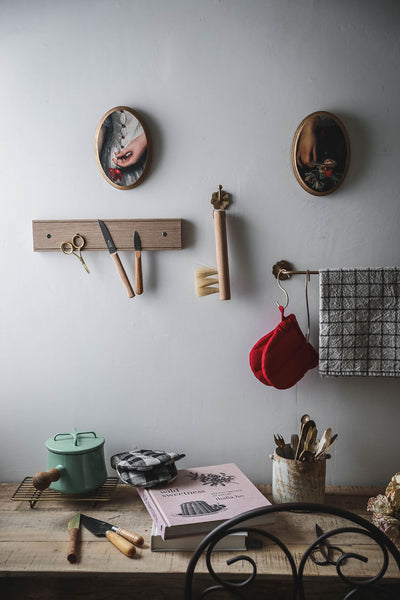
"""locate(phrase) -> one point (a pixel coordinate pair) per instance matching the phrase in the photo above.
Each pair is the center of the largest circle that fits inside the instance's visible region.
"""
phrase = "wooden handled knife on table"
(114, 255)
(73, 528)
(122, 539)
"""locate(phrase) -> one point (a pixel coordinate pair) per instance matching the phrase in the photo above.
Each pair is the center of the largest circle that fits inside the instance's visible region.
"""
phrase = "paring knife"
(123, 539)
(114, 255)
(73, 527)
(138, 263)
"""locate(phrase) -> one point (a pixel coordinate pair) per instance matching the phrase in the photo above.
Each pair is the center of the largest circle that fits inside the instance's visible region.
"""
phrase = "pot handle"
(43, 479)
(74, 433)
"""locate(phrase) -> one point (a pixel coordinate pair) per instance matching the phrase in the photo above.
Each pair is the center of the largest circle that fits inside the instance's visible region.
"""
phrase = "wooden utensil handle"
(131, 537)
(221, 247)
(123, 275)
(138, 272)
(43, 479)
(73, 544)
(121, 543)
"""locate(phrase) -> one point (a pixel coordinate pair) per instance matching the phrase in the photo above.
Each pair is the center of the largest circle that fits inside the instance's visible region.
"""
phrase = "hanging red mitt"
(283, 356)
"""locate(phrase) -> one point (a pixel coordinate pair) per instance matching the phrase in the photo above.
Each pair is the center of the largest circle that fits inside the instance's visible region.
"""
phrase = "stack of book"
(195, 502)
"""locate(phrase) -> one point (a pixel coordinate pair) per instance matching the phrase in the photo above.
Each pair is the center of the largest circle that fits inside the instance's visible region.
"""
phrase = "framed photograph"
(320, 153)
(123, 148)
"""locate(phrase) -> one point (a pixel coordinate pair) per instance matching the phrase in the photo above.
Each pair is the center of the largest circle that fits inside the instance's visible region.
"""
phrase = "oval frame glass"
(320, 153)
(122, 127)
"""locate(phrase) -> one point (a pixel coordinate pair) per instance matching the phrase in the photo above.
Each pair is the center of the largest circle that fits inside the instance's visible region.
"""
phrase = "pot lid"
(75, 442)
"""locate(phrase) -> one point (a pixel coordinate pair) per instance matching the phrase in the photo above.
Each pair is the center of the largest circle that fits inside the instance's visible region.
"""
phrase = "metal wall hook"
(285, 268)
(282, 288)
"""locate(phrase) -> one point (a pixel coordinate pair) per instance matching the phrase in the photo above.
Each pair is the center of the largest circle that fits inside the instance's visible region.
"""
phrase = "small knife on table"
(114, 255)
(73, 528)
(138, 263)
(123, 539)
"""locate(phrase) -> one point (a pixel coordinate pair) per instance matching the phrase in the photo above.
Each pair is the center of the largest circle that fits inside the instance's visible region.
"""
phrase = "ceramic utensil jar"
(297, 481)
(75, 463)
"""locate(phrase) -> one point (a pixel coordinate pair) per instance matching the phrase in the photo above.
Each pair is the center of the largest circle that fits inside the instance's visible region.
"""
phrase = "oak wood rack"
(155, 234)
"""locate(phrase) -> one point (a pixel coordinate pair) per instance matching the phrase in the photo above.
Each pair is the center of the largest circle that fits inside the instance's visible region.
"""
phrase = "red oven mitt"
(256, 357)
(283, 356)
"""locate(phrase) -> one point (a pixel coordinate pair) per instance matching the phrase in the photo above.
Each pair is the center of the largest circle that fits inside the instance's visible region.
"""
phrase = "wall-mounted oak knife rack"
(155, 234)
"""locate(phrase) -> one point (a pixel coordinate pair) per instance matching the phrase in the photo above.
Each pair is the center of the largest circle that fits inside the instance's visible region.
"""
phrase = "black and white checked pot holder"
(146, 468)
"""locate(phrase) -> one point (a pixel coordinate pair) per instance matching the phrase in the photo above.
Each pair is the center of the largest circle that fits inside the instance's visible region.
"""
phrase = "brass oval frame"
(294, 152)
(149, 148)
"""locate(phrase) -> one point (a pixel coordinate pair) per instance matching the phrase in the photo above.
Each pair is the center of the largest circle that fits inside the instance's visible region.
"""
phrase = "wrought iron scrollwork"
(330, 554)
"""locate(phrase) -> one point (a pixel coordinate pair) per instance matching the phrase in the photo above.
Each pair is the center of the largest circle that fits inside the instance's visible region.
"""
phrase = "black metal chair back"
(321, 551)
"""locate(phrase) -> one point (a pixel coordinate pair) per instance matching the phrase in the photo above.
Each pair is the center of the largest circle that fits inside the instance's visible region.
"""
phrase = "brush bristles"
(204, 283)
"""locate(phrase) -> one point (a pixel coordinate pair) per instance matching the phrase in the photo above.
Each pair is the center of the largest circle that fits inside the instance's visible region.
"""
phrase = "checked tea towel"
(359, 322)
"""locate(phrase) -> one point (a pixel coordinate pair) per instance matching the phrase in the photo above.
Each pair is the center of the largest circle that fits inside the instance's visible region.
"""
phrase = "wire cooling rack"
(26, 491)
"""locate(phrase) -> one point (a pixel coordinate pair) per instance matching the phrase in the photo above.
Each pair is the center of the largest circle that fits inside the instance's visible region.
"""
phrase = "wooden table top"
(34, 542)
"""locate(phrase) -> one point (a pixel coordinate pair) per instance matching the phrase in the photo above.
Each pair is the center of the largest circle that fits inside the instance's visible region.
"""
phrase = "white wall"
(223, 85)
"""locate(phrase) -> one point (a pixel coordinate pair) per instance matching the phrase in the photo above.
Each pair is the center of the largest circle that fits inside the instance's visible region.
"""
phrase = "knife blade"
(138, 263)
(123, 539)
(73, 528)
(114, 255)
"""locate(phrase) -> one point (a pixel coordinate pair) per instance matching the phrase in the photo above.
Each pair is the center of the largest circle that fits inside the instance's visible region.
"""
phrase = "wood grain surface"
(34, 543)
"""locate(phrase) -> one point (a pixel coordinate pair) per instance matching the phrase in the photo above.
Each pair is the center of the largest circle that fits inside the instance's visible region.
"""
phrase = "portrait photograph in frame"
(320, 153)
(123, 148)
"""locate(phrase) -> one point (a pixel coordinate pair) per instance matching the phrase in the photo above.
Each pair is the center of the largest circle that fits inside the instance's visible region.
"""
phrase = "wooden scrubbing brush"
(205, 283)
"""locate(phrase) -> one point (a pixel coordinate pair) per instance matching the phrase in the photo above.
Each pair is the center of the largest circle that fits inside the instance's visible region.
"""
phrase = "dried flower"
(380, 505)
(393, 491)
(390, 526)
(385, 510)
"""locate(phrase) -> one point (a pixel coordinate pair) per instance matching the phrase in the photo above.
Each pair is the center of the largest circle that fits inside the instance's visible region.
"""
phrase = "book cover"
(198, 499)
(188, 543)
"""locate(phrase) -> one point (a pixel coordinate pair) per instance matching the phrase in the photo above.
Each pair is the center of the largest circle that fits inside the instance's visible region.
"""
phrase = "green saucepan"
(75, 463)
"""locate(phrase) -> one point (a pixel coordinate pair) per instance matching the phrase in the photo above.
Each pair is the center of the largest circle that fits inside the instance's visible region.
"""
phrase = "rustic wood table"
(34, 542)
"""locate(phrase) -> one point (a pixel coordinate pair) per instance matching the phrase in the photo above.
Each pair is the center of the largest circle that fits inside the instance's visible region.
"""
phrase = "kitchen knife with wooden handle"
(114, 255)
(73, 527)
(123, 539)
(138, 263)
(121, 543)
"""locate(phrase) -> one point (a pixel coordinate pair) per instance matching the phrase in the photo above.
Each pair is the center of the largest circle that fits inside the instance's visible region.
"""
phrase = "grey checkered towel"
(146, 468)
(359, 321)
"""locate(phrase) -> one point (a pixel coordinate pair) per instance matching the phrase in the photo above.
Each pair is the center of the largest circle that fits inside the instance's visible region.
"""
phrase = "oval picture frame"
(320, 153)
(123, 148)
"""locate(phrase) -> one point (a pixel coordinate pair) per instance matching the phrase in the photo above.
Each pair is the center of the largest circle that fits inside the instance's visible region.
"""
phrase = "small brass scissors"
(77, 243)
